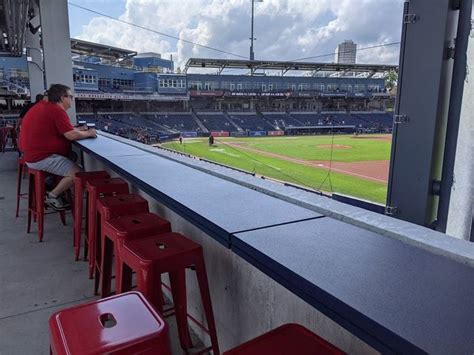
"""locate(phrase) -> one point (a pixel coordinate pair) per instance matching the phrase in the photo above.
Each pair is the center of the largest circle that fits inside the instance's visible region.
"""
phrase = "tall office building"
(346, 52)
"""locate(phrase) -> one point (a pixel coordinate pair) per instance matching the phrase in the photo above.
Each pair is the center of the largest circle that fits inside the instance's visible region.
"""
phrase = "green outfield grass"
(304, 148)
(362, 149)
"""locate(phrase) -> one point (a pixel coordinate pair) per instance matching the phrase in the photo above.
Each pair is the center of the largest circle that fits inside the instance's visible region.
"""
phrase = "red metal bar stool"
(22, 168)
(80, 181)
(114, 232)
(96, 189)
(170, 253)
(122, 324)
(288, 339)
(112, 207)
(36, 194)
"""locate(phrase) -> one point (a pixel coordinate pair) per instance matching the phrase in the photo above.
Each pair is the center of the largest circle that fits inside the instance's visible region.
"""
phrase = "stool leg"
(14, 141)
(39, 201)
(69, 198)
(119, 270)
(178, 288)
(31, 182)
(86, 229)
(91, 232)
(78, 207)
(18, 188)
(105, 267)
(35, 214)
(201, 276)
(96, 253)
(124, 283)
(146, 283)
(62, 215)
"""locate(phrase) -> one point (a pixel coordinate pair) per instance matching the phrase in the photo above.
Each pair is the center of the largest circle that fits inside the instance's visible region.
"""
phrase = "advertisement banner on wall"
(276, 133)
(238, 134)
(188, 134)
(257, 133)
(220, 134)
(205, 93)
(257, 94)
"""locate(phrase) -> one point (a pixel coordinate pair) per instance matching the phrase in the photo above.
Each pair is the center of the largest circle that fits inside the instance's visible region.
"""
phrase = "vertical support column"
(57, 46)
(421, 110)
(35, 64)
(461, 202)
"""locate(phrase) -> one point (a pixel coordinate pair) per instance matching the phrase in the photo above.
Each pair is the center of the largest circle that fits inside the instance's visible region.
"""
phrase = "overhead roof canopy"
(81, 47)
(13, 21)
(284, 66)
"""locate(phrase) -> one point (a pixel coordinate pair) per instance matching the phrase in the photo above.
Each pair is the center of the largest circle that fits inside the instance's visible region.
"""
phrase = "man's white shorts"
(54, 164)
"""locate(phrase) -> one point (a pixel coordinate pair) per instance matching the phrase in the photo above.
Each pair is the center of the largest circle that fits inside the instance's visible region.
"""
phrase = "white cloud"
(285, 29)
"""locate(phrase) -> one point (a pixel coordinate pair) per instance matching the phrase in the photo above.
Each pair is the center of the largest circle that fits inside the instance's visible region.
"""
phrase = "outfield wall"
(257, 133)
(220, 134)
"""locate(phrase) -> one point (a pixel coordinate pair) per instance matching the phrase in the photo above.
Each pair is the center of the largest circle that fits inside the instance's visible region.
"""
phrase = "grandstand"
(137, 95)
(172, 124)
(174, 121)
(250, 121)
(282, 120)
(217, 121)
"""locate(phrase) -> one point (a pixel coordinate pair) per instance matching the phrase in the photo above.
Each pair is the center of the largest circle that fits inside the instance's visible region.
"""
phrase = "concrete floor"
(36, 279)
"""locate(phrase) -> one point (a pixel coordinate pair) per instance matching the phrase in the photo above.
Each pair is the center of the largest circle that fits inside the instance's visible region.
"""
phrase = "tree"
(391, 80)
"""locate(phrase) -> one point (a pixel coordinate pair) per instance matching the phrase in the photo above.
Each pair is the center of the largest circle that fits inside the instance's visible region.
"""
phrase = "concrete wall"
(461, 207)
(246, 302)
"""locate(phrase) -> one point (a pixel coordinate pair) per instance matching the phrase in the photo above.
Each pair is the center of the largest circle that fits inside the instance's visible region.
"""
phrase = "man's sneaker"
(56, 203)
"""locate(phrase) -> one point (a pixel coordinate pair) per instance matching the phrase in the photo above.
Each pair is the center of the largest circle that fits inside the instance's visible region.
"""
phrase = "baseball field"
(347, 164)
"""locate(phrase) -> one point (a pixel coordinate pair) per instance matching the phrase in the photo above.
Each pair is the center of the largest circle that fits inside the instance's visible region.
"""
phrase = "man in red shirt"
(45, 139)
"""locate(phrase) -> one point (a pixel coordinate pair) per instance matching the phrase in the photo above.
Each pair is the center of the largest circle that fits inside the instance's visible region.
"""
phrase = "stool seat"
(138, 225)
(85, 176)
(107, 186)
(170, 250)
(125, 324)
(288, 339)
(120, 205)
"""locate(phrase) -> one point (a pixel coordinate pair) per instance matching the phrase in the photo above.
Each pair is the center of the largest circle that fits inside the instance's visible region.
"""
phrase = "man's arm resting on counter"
(76, 135)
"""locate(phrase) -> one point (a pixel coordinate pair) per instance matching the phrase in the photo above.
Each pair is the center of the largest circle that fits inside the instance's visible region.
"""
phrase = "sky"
(285, 29)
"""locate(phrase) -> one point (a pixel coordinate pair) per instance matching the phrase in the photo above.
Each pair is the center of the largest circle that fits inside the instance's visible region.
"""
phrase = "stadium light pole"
(252, 54)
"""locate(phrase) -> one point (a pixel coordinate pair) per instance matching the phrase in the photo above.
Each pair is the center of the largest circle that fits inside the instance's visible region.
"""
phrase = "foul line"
(305, 162)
